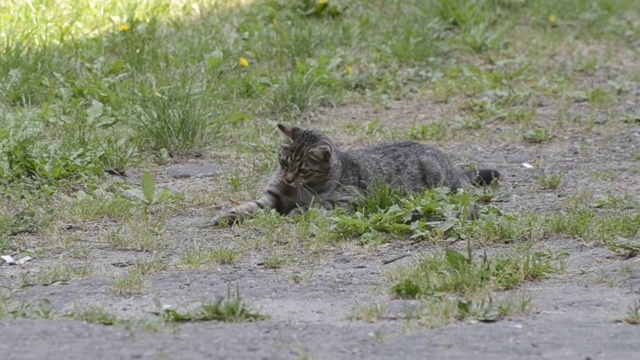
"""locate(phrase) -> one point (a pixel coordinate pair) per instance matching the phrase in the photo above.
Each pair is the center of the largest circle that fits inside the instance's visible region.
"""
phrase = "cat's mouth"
(294, 184)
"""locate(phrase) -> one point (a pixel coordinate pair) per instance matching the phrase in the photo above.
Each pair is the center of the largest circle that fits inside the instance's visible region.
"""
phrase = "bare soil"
(575, 316)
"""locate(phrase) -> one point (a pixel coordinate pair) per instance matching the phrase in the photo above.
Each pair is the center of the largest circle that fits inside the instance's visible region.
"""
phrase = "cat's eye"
(303, 171)
(284, 163)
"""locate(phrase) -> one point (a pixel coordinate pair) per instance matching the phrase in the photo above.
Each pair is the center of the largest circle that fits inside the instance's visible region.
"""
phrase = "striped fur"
(313, 171)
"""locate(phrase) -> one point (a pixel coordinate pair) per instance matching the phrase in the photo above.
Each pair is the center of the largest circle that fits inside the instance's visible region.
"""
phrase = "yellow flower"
(124, 27)
(348, 69)
(322, 2)
(244, 62)
(552, 19)
(274, 22)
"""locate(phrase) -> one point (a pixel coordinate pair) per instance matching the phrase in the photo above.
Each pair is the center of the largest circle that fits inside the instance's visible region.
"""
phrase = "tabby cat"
(313, 171)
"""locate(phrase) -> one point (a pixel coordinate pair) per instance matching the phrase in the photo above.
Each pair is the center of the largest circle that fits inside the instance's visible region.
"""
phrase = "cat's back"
(410, 165)
(397, 151)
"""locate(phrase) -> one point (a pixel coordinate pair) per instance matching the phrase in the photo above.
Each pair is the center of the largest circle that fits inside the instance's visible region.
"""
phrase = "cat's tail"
(482, 177)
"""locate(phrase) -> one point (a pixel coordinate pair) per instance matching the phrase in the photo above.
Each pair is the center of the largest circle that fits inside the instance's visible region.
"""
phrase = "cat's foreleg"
(346, 199)
(268, 200)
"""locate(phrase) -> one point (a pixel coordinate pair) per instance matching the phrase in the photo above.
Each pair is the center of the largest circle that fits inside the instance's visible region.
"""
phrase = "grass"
(274, 262)
(101, 93)
(197, 258)
(550, 181)
(95, 315)
(633, 314)
(465, 287)
(227, 309)
(63, 273)
(369, 313)
(130, 283)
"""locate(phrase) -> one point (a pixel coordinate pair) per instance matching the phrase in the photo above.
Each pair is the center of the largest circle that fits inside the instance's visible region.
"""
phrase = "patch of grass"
(599, 97)
(130, 283)
(594, 228)
(550, 181)
(433, 214)
(11, 308)
(626, 202)
(95, 315)
(20, 222)
(90, 208)
(537, 136)
(136, 235)
(369, 128)
(81, 253)
(44, 310)
(436, 131)
(229, 309)
(180, 122)
(274, 262)
(578, 200)
(298, 92)
(633, 314)
(63, 273)
(155, 265)
(465, 286)
(369, 313)
(198, 258)
(606, 175)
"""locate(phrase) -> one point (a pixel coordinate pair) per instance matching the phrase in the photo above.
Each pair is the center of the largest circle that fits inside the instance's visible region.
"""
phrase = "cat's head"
(305, 156)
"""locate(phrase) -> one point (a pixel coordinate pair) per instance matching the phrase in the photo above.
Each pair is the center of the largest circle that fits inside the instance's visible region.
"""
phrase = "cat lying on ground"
(313, 171)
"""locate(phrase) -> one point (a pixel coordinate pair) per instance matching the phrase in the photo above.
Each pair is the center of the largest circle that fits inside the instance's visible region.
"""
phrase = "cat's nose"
(289, 178)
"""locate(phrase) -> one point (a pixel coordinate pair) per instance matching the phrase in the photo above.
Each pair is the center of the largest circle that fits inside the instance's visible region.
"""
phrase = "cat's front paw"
(298, 210)
(225, 219)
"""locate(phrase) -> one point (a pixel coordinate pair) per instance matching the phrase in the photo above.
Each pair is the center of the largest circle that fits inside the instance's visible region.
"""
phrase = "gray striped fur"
(313, 171)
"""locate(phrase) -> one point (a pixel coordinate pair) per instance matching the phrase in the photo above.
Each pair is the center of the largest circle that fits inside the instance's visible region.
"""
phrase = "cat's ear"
(321, 153)
(288, 133)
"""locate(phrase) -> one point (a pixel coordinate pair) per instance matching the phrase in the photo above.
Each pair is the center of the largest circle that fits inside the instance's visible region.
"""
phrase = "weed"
(131, 283)
(436, 131)
(537, 136)
(197, 258)
(45, 309)
(135, 235)
(147, 194)
(633, 314)
(229, 309)
(274, 262)
(63, 273)
(95, 315)
(469, 283)
(179, 122)
(94, 207)
(550, 181)
(627, 202)
(297, 93)
(606, 175)
(370, 313)
(155, 265)
(433, 214)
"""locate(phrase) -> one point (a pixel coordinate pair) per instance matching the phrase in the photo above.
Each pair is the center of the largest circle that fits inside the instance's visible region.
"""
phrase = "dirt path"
(573, 318)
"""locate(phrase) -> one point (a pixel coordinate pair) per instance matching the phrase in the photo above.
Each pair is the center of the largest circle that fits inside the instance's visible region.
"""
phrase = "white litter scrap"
(23, 260)
(527, 165)
(8, 259)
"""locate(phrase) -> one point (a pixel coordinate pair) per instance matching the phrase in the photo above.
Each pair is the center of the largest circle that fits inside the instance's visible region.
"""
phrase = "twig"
(385, 262)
